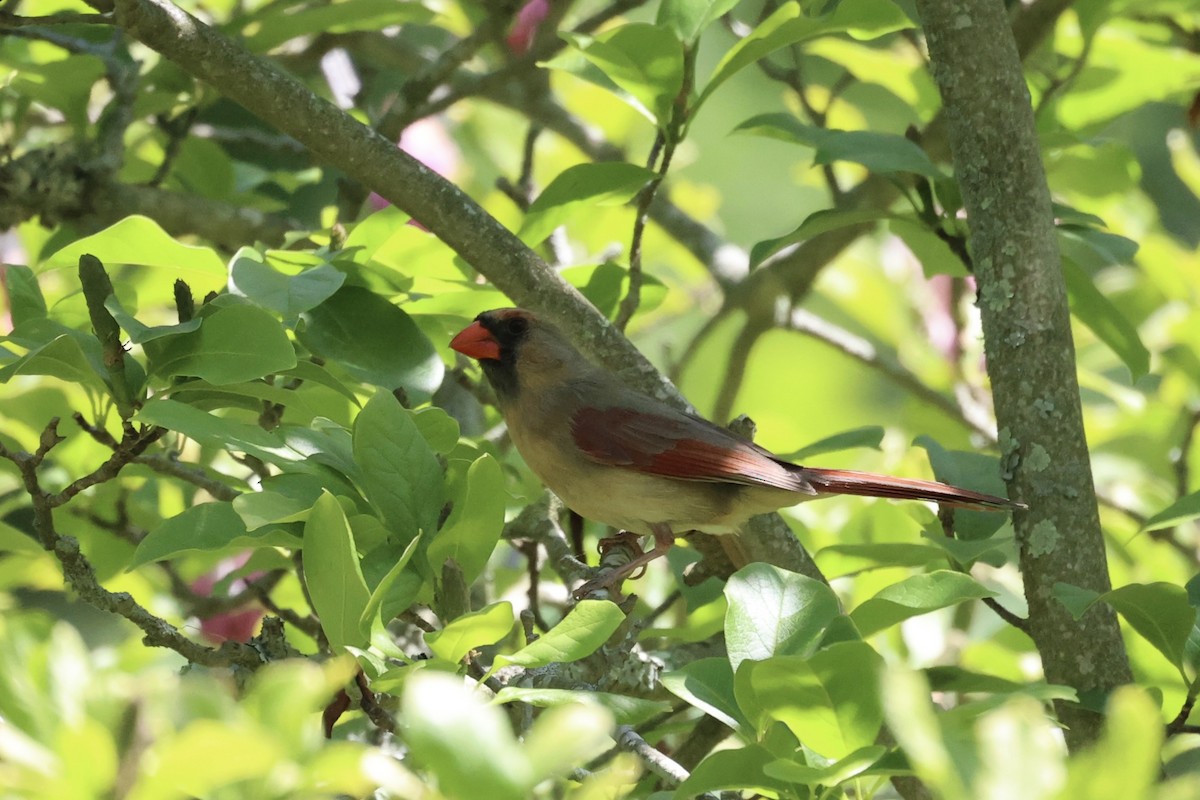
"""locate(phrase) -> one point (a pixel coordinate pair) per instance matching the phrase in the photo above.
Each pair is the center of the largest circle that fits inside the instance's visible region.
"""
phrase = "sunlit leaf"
(578, 188)
(486, 626)
(333, 574)
(578, 634)
(914, 596)
(774, 612)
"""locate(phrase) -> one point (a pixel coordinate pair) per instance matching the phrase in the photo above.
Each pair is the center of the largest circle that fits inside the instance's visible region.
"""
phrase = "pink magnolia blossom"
(237, 625)
(529, 18)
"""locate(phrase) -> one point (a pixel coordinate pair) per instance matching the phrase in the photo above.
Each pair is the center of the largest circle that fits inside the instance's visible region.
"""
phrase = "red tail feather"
(841, 481)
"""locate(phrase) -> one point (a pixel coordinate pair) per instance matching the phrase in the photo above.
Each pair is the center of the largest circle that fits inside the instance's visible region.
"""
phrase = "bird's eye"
(517, 325)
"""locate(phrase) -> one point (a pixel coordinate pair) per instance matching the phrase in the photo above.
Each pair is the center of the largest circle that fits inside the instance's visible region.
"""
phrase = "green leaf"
(884, 153)
(957, 679)
(849, 559)
(707, 684)
(400, 584)
(235, 343)
(774, 612)
(689, 18)
(645, 60)
(978, 471)
(252, 276)
(1159, 612)
(209, 429)
(206, 527)
(400, 474)
(283, 499)
(314, 373)
(912, 720)
(63, 357)
(863, 19)
(439, 428)
(626, 709)
(578, 634)
(466, 743)
(870, 436)
(374, 341)
(334, 576)
(734, 768)
(287, 21)
(24, 294)
(139, 333)
(473, 528)
(994, 550)
(829, 701)
(1105, 320)
(486, 626)
(1127, 761)
(815, 224)
(851, 766)
(577, 189)
(140, 241)
(914, 596)
(1184, 509)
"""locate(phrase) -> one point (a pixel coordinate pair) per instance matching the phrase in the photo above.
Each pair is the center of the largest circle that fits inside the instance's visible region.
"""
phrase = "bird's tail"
(842, 481)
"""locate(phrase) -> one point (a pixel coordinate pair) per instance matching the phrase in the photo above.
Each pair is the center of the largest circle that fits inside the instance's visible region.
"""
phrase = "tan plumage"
(622, 458)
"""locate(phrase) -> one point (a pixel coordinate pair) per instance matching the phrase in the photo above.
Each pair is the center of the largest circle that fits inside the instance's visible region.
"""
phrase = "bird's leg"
(663, 539)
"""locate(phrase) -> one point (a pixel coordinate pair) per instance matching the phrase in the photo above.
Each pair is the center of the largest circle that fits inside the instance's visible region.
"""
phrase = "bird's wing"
(677, 445)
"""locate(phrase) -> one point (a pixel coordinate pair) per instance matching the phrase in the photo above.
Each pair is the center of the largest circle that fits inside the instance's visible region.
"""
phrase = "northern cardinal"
(625, 459)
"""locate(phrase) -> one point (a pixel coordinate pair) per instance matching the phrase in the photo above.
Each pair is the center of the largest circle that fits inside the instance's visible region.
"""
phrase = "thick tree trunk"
(1030, 353)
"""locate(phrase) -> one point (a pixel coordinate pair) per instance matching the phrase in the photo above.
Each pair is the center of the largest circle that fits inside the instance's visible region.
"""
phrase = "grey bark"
(1027, 339)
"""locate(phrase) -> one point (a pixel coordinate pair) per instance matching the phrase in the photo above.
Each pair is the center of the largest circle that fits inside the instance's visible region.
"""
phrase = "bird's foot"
(627, 539)
(612, 578)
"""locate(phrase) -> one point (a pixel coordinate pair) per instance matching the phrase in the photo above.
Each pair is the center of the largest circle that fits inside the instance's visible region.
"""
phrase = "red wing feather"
(682, 447)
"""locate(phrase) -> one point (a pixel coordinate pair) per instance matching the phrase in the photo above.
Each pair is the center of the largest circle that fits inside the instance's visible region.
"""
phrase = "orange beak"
(477, 342)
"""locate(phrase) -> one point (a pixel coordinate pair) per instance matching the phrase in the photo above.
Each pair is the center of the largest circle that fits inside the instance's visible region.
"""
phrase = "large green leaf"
(254, 276)
(707, 684)
(1159, 612)
(830, 701)
(486, 626)
(235, 343)
(278, 23)
(206, 527)
(374, 340)
(473, 528)
(863, 19)
(885, 153)
(689, 18)
(578, 634)
(644, 60)
(870, 436)
(914, 596)
(24, 294)
(400, 474)
(774, 612)
(626, 709)
(140, 241)
(816, 223)
(1105, 320)
(1182, 510)
(140, 333)
(333, 575)
(451, 731)
(740, 768)
(63, 357)
(578, 188)
(212, 430)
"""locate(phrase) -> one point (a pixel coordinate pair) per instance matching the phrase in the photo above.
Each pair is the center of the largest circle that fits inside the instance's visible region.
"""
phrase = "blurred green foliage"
(329, 463)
